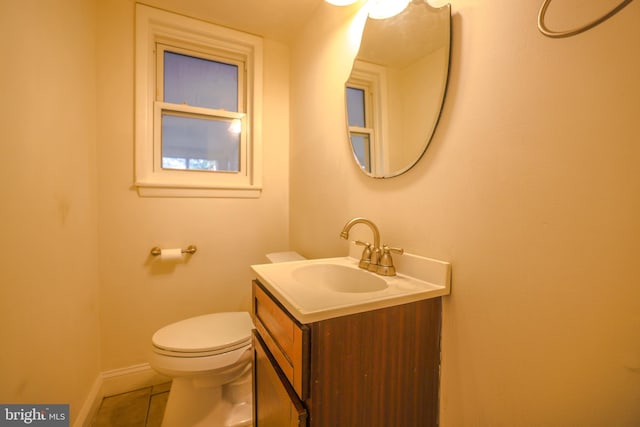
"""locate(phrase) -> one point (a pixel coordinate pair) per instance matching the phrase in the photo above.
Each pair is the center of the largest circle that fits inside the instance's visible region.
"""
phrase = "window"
(360, 132)
(366, 97)
(198, 107)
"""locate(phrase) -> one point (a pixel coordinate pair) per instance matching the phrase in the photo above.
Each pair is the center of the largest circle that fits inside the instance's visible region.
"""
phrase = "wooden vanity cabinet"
(374, 369)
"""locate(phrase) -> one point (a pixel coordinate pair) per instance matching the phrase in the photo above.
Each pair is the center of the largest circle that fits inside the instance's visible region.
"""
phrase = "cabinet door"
(284, 338)
(275, 403)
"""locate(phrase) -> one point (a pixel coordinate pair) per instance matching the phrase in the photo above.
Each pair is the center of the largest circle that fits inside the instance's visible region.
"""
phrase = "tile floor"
(138, 408)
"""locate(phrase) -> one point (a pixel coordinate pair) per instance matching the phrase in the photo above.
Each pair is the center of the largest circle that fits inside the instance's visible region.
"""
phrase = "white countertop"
(310, 301)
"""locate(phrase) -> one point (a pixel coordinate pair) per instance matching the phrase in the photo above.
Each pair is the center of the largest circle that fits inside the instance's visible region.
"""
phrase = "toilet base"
(241, 415)
(197, 403)
(190, 405)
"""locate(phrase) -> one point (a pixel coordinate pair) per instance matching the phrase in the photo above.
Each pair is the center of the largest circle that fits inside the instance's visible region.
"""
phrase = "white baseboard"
(116, 381)
(91, 404)
(130, 378)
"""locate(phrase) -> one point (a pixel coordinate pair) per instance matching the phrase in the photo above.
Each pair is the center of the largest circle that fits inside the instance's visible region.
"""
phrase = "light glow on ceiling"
(383, 9)
(341, 2)
(378, 9)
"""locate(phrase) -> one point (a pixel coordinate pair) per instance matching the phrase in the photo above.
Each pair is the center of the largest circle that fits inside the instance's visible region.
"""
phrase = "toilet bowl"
(209, 360)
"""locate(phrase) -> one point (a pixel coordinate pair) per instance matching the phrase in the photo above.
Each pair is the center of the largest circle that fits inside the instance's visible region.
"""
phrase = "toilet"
(209, 360)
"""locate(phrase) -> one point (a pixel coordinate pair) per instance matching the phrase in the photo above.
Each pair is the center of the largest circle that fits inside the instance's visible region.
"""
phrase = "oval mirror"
(396, 88)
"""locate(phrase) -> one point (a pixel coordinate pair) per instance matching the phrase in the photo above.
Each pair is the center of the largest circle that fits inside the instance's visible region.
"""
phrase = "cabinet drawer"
(287, 340)
(276, 403)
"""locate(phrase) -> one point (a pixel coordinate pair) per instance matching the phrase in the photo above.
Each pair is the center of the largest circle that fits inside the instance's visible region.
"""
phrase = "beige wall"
(49, 218)
(530, 188)
(137, 293)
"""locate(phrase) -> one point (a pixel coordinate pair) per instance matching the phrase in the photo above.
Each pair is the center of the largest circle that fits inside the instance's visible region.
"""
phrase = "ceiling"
(275, 19)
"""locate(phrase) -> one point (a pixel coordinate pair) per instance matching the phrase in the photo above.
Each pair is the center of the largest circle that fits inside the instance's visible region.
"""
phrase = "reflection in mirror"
(397, 86)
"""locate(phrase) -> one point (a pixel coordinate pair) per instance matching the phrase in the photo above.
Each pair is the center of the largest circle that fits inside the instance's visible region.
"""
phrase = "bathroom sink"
(339, 278)
(319, 289)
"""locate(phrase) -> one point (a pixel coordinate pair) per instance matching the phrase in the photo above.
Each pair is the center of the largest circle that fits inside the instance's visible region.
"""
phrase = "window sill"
(155, 190)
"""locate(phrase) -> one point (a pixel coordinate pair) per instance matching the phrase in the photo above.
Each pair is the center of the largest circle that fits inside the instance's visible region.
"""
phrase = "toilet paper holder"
(191, 249)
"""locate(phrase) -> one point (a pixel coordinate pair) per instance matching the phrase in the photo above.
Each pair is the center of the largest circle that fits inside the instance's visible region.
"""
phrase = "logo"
(34, 415)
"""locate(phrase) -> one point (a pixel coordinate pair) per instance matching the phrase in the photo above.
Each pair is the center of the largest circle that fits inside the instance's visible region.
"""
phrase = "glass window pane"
(355, 107)
(198, 143)
(200, 82)
(361, 148)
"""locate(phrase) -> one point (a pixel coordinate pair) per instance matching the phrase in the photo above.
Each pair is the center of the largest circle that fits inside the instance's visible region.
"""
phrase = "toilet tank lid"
(204, 333)
(274, 257)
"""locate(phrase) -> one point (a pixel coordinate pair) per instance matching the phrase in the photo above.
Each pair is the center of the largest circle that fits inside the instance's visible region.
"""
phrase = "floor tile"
(124, 410)
(161, 388)
(156, 409)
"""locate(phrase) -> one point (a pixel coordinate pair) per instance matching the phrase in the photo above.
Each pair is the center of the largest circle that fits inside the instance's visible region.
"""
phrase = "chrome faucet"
(370, 254)
(374, 257)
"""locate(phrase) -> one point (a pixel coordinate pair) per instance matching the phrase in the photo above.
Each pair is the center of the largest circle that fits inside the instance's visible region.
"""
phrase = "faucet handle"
(365, 258)
(385, 266)
(386, 249)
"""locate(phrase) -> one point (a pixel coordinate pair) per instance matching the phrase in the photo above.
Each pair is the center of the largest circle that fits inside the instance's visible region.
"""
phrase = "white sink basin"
(338, 278)
(320, 289)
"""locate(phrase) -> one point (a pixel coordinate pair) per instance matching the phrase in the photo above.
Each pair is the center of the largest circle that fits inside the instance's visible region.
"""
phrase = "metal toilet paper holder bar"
(191, 249)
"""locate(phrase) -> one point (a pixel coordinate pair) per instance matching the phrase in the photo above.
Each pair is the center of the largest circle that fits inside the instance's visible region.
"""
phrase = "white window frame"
(372, 79)
(156, 29)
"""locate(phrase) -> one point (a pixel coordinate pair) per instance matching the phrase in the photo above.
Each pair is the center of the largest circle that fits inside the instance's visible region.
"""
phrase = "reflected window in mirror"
(366, 112)
(360, 133)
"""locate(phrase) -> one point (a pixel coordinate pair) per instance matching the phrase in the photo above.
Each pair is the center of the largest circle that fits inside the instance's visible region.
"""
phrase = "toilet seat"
(207, 335)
